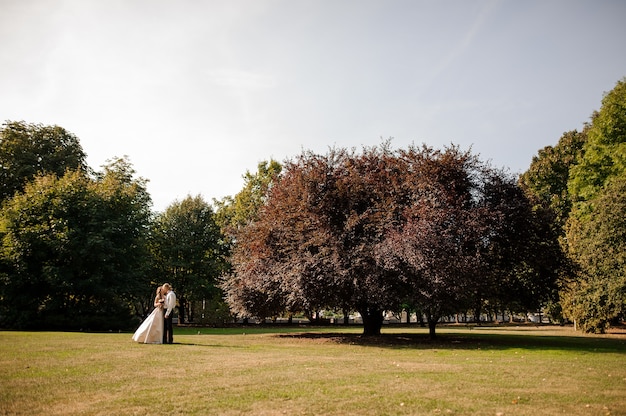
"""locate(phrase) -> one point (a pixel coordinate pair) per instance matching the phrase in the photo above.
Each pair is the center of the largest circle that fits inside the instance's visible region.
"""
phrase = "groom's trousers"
(168, 333)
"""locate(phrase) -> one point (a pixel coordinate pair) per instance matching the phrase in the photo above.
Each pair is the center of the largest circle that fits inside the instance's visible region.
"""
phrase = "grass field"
(315, 371)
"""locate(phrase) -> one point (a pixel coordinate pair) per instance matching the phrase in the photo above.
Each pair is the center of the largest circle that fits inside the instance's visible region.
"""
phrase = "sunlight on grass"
(313, 371)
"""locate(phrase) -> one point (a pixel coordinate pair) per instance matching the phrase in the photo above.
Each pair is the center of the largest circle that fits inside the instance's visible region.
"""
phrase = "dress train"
(151, 330)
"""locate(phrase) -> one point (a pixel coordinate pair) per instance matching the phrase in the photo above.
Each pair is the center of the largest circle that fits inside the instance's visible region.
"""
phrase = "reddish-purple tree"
(436, 247)
(368, 231)
(313, 245)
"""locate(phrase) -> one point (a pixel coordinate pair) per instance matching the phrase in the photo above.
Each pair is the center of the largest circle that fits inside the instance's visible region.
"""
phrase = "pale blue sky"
(197, 92)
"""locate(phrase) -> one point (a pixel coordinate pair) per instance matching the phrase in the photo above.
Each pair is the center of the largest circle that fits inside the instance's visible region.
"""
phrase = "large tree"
(189, 251)
(28, 150)
(546, 184)
(525, 260)
(73, 250)
(312, 245)
(593, 233)
(468, 236)
(367, 231)
(598, 242)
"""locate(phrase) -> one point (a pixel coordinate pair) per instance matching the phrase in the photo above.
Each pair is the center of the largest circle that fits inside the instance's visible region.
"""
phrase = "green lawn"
(315, 371)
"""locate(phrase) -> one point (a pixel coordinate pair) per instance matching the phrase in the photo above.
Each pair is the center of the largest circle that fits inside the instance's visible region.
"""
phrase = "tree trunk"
(420, 318)
(477, 312)
(346, 317)
(182, 304)
(432, 324)
(372, 321)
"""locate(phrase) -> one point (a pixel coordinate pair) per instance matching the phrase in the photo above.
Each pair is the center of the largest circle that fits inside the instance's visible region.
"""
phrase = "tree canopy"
(595, 230)
(367, 231)
(605, 150)
(547, 178)
(73, 250)
(28, 150)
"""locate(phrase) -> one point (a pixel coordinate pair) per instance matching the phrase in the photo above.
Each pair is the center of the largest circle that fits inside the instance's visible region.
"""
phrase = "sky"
(197, 92)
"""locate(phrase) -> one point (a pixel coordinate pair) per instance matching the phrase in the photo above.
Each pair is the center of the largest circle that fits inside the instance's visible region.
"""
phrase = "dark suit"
(170, 304)
(168, 333)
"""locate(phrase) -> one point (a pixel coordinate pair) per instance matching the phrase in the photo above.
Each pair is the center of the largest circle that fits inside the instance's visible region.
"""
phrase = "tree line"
(82, 249)
(432, 231)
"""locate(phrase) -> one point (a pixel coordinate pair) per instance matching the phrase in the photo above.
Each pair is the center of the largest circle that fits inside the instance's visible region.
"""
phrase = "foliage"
(234, 213)
(595, 229)
(469, 236)
(188, 250)
(212, 312)
(579, 181)
(598, 242)
(547, 177)
(546, 184)
(73, 250)
(525, 257)
(312, 244)
(370, 231)
(28, 150)
(605, 149)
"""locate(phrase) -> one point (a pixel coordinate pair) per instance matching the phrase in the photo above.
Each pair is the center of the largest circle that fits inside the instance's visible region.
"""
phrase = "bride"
(151, 330)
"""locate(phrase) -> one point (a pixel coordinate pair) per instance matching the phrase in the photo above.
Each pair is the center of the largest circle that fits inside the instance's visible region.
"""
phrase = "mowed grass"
(315, 371)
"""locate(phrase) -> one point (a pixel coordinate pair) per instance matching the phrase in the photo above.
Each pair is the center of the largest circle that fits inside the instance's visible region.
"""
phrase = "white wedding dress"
(151, 330)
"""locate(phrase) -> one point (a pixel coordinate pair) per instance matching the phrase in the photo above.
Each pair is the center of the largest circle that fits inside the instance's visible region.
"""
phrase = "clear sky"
(197, 92)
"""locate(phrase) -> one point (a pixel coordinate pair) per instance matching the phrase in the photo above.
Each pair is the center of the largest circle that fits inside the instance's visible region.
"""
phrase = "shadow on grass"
(199, 344)
(472, 341)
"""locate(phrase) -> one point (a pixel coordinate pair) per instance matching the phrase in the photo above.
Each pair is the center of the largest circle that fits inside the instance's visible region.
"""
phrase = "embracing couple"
(158, 328)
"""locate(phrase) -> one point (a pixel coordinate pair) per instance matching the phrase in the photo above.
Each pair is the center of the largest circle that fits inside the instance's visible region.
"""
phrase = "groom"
(169, 305)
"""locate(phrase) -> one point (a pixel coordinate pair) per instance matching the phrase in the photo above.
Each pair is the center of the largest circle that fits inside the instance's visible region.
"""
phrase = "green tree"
(189, 251)
(593, 234)
(605, 149)
(598, 242)
(73, 250)
(546, 184)
(28, 150)
(547, 178)
(525, 259)
(233, 213)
